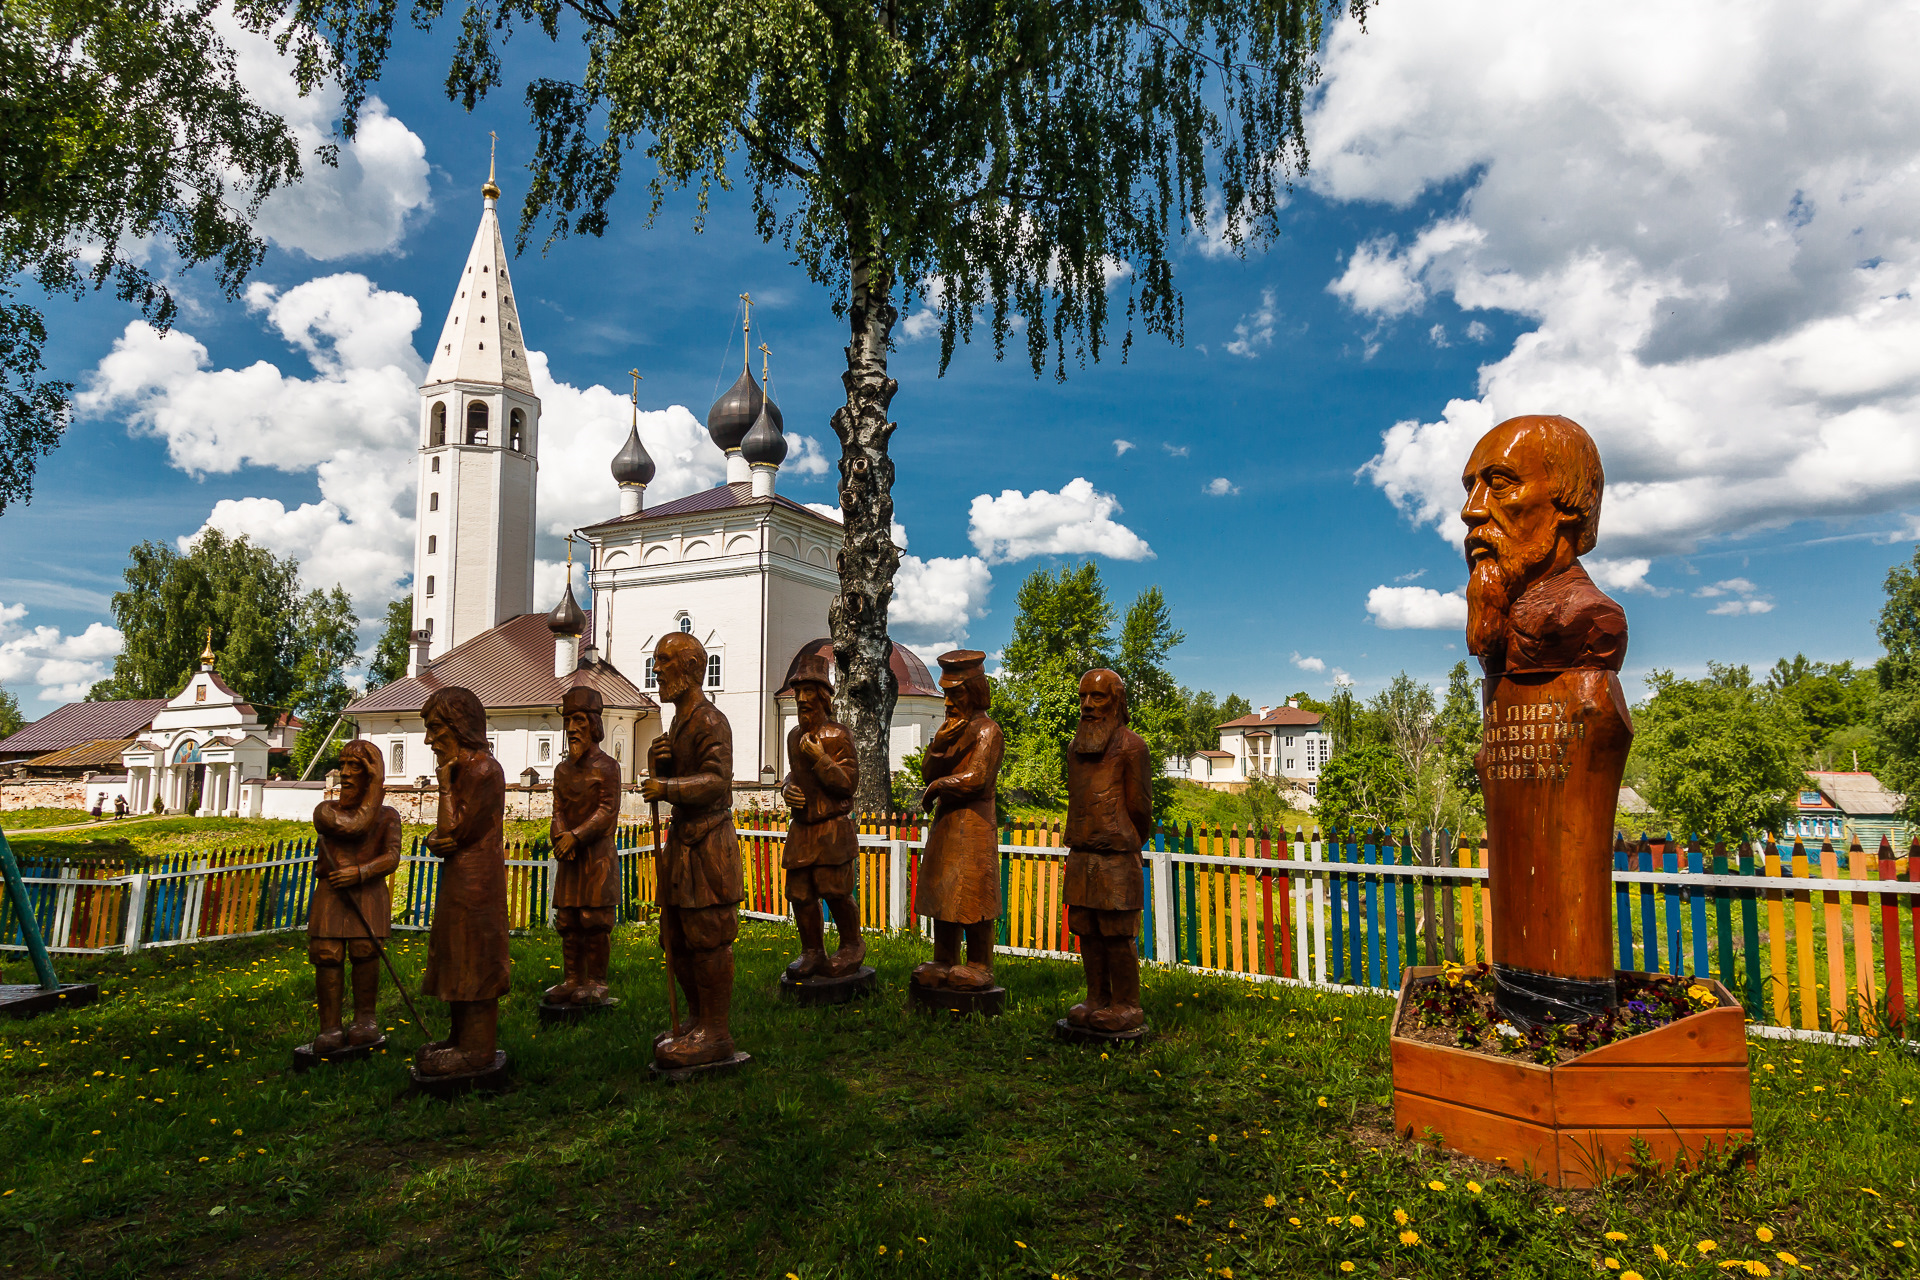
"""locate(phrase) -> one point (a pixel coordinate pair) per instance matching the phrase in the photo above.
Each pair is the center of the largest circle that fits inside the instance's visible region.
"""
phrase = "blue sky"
(1711, 273)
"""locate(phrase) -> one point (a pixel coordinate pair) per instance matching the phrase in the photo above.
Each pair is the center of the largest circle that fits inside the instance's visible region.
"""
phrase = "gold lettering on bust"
(1529, 741)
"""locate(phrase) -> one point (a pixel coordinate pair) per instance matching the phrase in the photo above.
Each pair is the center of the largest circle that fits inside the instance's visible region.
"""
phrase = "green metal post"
(23, 910)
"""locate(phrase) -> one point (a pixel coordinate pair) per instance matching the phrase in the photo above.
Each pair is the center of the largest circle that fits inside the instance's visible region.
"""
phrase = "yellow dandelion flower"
(1227, 1273)
(1270, 1202)
(1630, 1275)
(1323, 1102)
(1616, 1236)
(1436, 1186)
(1213, 1137)
(1203, 1202)
(1409, 1238)
(1021, 1243)
(883, 1250)
(1763, 1234)
(1294, 1221)
(1611, 1264)
(1400, 1217)
(1787, 1258)
(1706, 1246)
(1357, 1220)
(1346, 1266)
(1474, 1187)
(1660, 1253)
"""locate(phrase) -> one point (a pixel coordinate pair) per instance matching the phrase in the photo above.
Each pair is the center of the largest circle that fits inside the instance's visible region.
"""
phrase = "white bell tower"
(479, 450)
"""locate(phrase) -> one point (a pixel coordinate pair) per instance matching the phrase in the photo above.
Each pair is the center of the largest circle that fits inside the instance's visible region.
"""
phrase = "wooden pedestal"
(570, 1013)
(822, 989)
(491, 1080)
(988, 1002)
(1678, 1089)
(30, 1001)
(306, 1057)
(699, 1071)
(1068, 1033)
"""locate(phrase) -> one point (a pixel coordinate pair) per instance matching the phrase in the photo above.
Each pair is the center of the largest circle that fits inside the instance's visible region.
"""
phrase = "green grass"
(24, 819)
(862, 1142)
(166, 836)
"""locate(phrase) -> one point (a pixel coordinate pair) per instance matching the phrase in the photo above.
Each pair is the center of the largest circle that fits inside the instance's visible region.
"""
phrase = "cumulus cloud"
(1120, 447)
(1341, 680)
(1416, 608)
(1619, 575)
(1438, 336)
(934, 600)
(1308, 663)
(63, 667)
(1078, 520)
(1221, 487)
(1717, 247)
(1255, 330)
(1738, 598)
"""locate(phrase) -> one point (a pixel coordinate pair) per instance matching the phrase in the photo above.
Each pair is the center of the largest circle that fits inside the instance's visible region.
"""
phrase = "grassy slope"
(861, 1142)
(176, 835)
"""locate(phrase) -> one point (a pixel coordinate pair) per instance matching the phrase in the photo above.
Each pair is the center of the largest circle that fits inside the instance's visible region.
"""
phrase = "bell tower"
(479, 457)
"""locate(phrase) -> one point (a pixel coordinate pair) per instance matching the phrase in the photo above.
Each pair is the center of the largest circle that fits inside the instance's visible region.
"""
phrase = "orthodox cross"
(746, 326)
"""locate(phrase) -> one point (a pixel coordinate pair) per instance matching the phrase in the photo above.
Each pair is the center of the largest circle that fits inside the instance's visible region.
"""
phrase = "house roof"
(1631, 801)
(909, 672)
(1216, 755)
(510, 665)
(721, 498)
(1855, 793)
(1292, 717)
(79, 722)
(82, 755)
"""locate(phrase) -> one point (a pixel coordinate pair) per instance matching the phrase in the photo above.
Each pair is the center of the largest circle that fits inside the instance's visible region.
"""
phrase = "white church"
(746, 570)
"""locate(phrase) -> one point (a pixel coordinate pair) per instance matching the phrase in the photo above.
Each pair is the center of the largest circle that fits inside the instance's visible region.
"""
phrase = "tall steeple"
(479, 446)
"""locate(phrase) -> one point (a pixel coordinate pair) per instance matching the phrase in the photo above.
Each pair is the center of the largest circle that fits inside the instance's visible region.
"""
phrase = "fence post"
(1161, 861)
(136, 912)
(553, 878)
(897, 855)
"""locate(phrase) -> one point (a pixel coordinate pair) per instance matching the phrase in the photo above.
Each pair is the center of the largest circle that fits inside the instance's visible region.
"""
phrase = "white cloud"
(1220, 487)
(1438, 336)
(1728, 587)
(1176, 450)
(924, 322)
(62, 667)
(1751, 599)
(1717, 246)
(1308, 663)
(1078, 520)
(1619, 575)
(1415, 576)
(935, 600)
(805, 457)
(1341, 679)
(1416, 608)
(1478, 332)
(1254, 331)
(1737, 608)
(1120, 447)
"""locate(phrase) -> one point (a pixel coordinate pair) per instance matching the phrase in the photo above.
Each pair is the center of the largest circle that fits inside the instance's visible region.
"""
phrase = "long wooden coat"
(375, 847)
(1109, 810)
(467, 951)
(960, 875)
(703, 857)
(822, 833)
(586, 802)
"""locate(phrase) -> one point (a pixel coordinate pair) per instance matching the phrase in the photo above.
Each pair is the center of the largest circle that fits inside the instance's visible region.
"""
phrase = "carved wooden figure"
(1556, 728)
(822, 849)
(467, 962)
(1109, 810)
(700, 882)
(959, 882)
(586, 810)
(358, 848)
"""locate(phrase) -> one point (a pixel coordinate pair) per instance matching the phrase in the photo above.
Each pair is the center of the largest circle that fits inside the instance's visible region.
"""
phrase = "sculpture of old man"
(586, 810)
(1555, 723)
(467, 961)
(358, 848)
(822, 848)
(700, 882)
(1109, 812)
(959, 880)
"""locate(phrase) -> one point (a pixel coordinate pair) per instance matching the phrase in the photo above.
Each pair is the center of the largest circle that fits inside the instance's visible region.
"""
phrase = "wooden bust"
(358, 839)
(586, 811)
(1555, 722)
(700, 882)
(822, 851)
(467, 962)
(1109, 812)
(960, 875)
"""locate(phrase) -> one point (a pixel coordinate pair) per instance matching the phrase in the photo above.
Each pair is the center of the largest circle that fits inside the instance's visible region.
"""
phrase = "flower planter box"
(1678, 1089)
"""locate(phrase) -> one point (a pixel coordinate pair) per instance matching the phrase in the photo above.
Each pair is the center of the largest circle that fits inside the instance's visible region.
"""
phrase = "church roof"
(508, 666)
(105, 751)
(481, 339)
(719, 498)
(909, 672)
(79, 722)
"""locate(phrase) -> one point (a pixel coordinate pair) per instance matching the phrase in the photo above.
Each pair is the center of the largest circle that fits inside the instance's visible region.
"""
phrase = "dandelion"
(1706, 1247)
(1213, 1137)
(1630, 1275)
(1474, 1187)
(1202, 1202)
(1783, 1255)
(1763, 1234)
(1611, 1264)
(1436, 1186)
(883, 1251)
(1323, 1102)
(1346, 1266)
(1021, 1243)
(1357, 1220)
(1409, 1238)
(1294, 1221)
(1270, 1202)
(1227, 1272)
(1870, 1191)
(1400, 1217)
(1660, 1253)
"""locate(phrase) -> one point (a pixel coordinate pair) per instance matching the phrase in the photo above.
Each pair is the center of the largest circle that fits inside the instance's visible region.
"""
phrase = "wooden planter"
(1678, 1089)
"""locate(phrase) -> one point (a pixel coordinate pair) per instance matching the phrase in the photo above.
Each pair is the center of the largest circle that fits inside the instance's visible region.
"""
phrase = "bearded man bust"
(1555, 722)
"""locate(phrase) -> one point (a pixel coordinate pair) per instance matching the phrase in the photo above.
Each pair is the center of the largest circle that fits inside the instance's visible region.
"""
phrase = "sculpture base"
(700, 1071)
(490, 1080)
(988, 1002)
(31, 1000)
(306, 1057)
(1530, 999)
(1066, 1031)
(821, 989)
(570, 1013)
(1680, 1089)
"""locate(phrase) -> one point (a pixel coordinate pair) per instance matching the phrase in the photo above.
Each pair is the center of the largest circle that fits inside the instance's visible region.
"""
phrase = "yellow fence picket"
(1779, 986)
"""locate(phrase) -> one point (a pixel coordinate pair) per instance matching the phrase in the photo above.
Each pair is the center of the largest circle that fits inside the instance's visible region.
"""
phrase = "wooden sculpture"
(358, 848)
(1109, 810)
(822, 852)
(586, 810)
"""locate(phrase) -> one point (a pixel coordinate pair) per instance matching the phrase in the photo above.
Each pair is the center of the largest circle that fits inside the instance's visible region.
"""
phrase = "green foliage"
(906, 782)
(1835, 703)
(1159, 713)
(1719, 754)
(1061, 632)
(1364, 786)
(10, 718)
(125, 124)
(391, 653)
(1460, 734)
(1897, 712)
(326, 639)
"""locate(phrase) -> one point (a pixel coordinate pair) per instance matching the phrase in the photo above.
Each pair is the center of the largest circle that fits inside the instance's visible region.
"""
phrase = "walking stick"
(659, 900)
(381, 951)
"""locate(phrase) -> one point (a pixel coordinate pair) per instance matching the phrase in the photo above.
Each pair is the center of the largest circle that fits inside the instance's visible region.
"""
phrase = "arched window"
(433, 544)
(477, 422)
(435, 468)
(713, 671)
(438, 436)
(429, 584)
(433, 502)
(516, 430)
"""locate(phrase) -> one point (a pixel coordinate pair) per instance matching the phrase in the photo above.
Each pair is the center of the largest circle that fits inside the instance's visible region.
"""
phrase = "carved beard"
(1094, 733)
(1494, 584)
(338, 818)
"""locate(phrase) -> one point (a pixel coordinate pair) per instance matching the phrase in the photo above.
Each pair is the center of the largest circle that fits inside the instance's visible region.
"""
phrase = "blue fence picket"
(1697, 908)
(1649, 925)
(1672, 891)
(1622, 905)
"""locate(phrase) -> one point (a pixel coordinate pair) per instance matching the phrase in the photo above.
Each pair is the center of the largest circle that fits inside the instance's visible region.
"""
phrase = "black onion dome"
(633, 464)
(765, 445)
(566, 618)
(733, 414)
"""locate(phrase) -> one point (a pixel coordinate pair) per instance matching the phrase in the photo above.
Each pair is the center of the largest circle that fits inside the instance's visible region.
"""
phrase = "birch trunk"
(866, 688)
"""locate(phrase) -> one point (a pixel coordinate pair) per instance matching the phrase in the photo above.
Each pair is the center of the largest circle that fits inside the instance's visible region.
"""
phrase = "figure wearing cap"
(700, 882)
(821, 844)
(1109, 812)
(586, 809)
(959, 884)
(359, 847)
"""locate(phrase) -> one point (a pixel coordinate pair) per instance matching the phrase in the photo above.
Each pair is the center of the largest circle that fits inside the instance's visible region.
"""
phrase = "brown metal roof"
(1858, 794)
(1278, 716)
(723, 498)
(509, 666)
(1217, 755)
(82, 755)
(79, 722)
(909, 672)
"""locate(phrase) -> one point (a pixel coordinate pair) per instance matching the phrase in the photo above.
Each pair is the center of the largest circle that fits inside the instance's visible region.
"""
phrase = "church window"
(433, 502)
(619, 751)
(397, 755)
(429, 584)
(483, 319)
(650, 681)
(477, 423)
(483, 293)
(429, 626)
(686, 624)
(436, 463)
(713, 671)
(484, 270)
(433, 544)
(544, 750)
(516, 428)
(438, 436)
